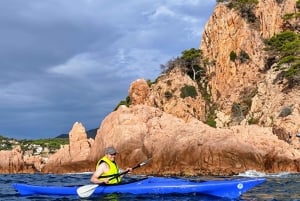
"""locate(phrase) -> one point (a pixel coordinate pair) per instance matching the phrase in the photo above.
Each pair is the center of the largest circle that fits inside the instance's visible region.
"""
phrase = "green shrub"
(149, 83)
(187, 91)
(211, 123)
(253, 121)
(243, 56)
(286, 47)
(126, 102)
(232, 56)
(288, 59)
(245, 8)
(293, 73)
(283, 42)
(288, 16)
(211, 116)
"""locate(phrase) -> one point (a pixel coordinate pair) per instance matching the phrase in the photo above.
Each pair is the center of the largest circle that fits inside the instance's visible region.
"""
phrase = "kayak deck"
(232, 188)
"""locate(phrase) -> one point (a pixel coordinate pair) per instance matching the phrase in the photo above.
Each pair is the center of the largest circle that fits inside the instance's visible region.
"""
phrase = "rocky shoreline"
(176, 147)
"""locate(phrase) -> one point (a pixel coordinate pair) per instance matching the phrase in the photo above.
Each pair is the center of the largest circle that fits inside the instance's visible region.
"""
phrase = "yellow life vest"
(113, 170)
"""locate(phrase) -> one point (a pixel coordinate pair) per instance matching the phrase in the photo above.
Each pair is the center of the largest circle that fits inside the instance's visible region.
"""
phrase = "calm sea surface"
(282, 186)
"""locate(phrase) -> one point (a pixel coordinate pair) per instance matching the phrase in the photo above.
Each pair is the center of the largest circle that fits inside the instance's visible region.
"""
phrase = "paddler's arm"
(102, 168)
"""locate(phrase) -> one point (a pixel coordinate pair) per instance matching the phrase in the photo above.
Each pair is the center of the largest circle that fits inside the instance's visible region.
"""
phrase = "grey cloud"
(64, 61)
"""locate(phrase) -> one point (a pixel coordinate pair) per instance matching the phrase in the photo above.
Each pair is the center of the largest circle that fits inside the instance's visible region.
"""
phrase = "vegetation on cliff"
(284, 49)
(242, 57)
(53, 144)
(123, 102)
(194, 64)
(35, 146)
(244, 7)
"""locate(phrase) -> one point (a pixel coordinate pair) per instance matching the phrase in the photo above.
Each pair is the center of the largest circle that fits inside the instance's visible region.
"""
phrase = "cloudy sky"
(64, 61)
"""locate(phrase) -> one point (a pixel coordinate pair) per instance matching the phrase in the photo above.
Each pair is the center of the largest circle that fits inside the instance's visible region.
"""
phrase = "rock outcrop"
(165, 94)
(177, 147)
(15, 162)
(139, 92)
(69, 157)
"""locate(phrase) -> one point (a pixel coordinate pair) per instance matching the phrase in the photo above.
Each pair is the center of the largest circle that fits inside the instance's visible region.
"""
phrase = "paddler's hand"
(106, 181)
(129, 170)
(103, 181)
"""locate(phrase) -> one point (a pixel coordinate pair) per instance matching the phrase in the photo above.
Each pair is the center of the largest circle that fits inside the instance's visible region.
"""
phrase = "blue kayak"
(231, 188)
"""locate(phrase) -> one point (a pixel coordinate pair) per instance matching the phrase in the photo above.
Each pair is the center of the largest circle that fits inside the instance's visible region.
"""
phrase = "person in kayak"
(107, 169)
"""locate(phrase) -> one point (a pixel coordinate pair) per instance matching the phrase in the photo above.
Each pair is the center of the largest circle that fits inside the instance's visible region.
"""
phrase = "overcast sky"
(64, 61)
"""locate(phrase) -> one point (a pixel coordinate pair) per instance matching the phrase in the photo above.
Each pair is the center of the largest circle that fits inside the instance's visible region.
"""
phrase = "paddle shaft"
(137, 166)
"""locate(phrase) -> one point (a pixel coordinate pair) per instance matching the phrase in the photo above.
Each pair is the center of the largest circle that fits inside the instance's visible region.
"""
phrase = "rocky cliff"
(251, 84)
(226, 32)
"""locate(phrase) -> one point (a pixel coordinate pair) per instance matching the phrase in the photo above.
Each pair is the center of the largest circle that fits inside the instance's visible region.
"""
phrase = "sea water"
(278, 187)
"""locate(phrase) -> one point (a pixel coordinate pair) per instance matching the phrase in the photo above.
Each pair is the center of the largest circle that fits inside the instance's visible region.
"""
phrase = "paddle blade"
(86, 190)
(145, 162)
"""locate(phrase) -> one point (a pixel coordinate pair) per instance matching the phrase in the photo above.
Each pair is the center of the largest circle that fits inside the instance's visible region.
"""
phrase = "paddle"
(87, 190)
